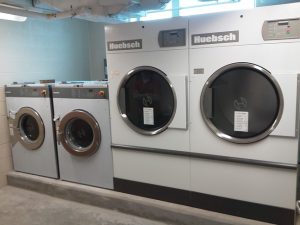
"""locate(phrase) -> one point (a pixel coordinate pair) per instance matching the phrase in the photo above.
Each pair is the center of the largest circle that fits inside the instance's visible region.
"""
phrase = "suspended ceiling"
(93, 10)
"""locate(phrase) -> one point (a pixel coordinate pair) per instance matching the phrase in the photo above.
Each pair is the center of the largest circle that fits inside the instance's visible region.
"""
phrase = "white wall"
(97, 50)
(38, 49)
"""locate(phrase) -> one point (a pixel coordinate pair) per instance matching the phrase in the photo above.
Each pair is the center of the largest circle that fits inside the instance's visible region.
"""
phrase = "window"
(193, 7)
(158, 14)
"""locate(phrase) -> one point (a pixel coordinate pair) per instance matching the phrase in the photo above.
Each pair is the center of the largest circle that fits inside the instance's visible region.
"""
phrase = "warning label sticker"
(148, 116)
(241, 121)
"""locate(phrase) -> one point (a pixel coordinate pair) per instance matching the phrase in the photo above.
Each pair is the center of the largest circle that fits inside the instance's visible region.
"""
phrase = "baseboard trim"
(249, 210)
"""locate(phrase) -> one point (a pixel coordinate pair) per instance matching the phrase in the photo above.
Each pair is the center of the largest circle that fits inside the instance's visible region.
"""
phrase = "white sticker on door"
(11, 131)
(148, 116)
(241, 121)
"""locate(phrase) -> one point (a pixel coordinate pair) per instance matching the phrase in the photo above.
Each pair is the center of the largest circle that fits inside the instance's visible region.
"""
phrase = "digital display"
(172, 38)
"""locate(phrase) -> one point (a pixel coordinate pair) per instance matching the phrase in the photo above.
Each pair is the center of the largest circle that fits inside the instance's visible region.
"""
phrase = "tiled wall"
(97, 50)
(5, 151)
(36, 50)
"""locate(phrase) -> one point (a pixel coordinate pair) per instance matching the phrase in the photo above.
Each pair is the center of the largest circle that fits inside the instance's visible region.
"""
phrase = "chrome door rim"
(89, 119)
(124, 115)
(221, 134)
(22, 137)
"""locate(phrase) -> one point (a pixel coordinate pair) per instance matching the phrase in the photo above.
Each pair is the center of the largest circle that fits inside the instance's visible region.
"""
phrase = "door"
(79, 133)
(29, 128)
(146, 100)
(241, 103)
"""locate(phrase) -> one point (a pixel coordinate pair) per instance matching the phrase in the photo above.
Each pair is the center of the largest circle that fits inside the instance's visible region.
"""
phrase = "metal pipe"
(22, 12)
(60, 15)
(81, 11)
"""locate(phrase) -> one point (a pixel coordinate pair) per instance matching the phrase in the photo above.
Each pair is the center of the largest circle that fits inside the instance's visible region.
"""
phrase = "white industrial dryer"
(148, 75)
(244, 131)
(83, 133)
(30, 114)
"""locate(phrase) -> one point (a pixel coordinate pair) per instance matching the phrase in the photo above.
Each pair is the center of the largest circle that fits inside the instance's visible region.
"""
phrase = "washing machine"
(30, 118)
(81, 115)
(148, 76)
(244, 71)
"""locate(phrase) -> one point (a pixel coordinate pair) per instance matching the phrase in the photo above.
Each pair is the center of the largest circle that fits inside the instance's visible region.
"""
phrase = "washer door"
(242, 103)
(79, 133)
(146, 100)
(30, 129)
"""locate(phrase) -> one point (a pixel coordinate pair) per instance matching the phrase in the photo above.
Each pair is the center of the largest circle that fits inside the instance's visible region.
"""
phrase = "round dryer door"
(79, 133)
(30, 128)
(147, 100)
(242, 103)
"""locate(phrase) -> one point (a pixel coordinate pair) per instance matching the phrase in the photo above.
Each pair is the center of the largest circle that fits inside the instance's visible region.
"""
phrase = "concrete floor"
(22, 207)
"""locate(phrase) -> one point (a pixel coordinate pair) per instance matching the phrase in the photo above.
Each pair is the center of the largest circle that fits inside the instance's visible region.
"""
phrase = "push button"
(44, 93)
(101, 93)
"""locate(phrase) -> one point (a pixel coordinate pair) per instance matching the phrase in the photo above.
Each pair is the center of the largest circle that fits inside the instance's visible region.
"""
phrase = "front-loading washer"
(81, 114)
(30, 119)
(244, 70)
(148, 76)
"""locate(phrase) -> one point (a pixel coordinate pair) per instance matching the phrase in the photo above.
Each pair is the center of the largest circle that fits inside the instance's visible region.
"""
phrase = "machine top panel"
(167, 34)
(246, 27)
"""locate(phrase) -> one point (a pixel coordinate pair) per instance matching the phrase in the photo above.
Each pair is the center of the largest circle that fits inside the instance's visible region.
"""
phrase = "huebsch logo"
(215, 38)
(124, 45)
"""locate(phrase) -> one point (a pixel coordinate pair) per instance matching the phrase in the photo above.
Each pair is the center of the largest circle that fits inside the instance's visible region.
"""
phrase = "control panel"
(281, 29)
(172, 38)
(80, 92)
(27, 92)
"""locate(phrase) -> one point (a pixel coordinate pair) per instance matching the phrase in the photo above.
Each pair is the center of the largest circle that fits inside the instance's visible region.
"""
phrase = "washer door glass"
(242, 103)
(29, 128)
(146, 100)
(80, 133)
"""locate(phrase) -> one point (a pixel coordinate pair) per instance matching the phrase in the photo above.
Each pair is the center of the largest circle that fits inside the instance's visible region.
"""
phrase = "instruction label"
(148, 116)
(241, 120)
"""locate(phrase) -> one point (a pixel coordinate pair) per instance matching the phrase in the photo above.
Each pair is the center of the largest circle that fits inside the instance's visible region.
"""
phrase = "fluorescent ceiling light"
(6, 16)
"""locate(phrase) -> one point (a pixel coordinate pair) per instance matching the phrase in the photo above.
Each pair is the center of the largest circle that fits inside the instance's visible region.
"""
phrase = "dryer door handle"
(58, 137)
(208, 103)
(58, 133)
(121, 100)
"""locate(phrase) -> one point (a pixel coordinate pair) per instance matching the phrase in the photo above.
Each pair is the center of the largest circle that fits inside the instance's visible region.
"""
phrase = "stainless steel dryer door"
(29, 128)
(242, 103)
(79, 133)
(146, 100)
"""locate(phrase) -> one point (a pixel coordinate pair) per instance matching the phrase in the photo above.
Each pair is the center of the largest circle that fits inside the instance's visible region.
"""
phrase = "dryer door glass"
(79, 133)
(147, 100)
(242, 103)
(30, 128)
